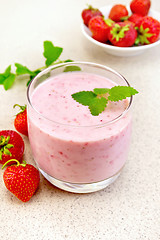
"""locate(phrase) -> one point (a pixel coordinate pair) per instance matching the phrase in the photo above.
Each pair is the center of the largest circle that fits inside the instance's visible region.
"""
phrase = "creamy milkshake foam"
(69, 143)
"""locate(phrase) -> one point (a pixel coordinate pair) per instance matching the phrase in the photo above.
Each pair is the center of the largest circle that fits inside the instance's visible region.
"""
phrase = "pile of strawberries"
(122, 29)
(21, 179)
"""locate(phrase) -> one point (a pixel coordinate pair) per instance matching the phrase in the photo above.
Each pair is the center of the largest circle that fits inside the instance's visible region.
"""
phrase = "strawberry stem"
(21, 107)
(15, 160)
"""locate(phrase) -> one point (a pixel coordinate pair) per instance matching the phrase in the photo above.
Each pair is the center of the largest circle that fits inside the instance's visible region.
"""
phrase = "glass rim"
(52, 67)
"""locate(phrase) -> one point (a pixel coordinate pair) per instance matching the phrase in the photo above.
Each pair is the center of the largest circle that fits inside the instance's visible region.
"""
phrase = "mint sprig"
(97, 99)
(51, 54)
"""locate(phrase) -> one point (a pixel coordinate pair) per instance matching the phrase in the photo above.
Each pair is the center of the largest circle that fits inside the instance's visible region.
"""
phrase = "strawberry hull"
(122, 34)
(13, 149)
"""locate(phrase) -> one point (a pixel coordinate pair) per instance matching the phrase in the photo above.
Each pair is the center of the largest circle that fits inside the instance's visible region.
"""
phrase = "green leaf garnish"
(84, 97)
(22, 70)
(8, 82)
(2, 78)
(97, 99)
(72, 68)
(68, 60)
(51, 53)
(120, 92)
(7, 78)
(100, 90)
(7, 71)
(97, 106)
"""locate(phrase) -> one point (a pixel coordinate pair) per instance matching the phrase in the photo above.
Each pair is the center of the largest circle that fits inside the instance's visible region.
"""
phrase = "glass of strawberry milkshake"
(73, 149)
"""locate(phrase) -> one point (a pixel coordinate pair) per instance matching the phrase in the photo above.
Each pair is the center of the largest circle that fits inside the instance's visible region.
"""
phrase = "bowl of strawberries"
(122, 30)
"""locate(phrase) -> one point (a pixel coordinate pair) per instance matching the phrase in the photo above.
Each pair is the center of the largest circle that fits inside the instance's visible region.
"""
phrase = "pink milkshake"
(73, 149)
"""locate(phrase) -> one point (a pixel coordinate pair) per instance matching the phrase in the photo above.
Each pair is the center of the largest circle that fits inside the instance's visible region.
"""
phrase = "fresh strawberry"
(89, 13)
(118, 12)
(11, 146)
(148, 31)
(140, 7)
(135, 18)
(99, 29)
(122, 34)
(22, 180)
(20, 121)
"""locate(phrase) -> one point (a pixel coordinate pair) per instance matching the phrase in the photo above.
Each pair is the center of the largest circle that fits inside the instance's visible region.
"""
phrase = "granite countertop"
(130, 207)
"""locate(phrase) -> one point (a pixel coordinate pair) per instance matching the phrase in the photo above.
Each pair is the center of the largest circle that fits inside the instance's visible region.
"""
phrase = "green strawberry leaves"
(118, 31)
(97, 99)
(5, 146)
(143, 36)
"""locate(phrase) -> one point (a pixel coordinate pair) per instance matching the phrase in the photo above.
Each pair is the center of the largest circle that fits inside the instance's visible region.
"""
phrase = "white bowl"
(120, 51)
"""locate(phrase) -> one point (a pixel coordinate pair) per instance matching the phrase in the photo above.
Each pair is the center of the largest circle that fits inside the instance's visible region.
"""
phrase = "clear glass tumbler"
(84, 158)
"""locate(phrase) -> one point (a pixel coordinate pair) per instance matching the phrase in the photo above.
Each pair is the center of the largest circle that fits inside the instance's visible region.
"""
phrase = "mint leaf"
(2, 78)
(7, 71)
(21, 70)
(72, 68)
(97, 105)
(5, 75)
(121, 92)
(8, 82)
(33, 76)
(84, 97)
(68, 60)
(51, 53)
(100, 91)
(97, 100)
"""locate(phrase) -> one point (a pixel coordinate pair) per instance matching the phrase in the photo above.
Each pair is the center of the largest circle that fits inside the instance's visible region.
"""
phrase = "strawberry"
(89, 13)
(22, 180)
(148, 31)
(122, 34)
(20, 121)
(11, 146)
(118, 12)
(135, 18)
(99, 29)
(140, 7)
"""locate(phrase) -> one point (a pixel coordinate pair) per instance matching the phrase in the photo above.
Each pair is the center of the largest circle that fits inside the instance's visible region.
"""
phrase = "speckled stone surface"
(129, 209)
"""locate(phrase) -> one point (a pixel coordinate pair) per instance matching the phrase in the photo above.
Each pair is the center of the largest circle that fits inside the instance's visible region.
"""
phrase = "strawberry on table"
(118, 12)
(99, 29)
(22, 180)
(20, 121)
(148, 31)
(122, 34)
(140, 7)
(89, 13)
(11, 146)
